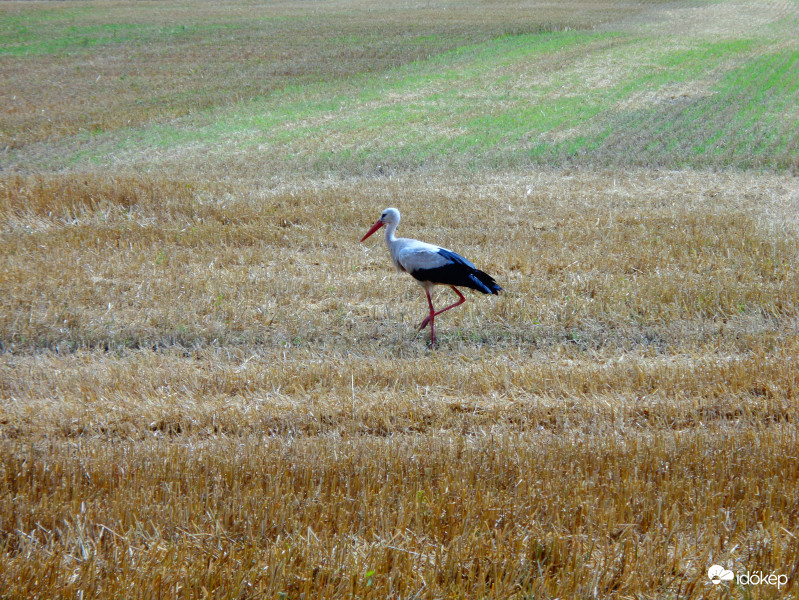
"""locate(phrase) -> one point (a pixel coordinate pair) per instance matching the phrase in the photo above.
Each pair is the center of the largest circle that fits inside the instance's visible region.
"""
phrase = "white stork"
(432, 265)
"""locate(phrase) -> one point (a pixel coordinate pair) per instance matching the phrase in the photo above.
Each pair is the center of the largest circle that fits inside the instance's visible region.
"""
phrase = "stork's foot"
(428, 320)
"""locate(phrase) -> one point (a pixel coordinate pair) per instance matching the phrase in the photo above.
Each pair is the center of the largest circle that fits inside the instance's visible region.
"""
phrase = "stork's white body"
(431, 265)
(413, 256)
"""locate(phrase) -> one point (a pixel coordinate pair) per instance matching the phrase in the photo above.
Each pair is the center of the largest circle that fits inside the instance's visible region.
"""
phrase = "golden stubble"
(211, 385)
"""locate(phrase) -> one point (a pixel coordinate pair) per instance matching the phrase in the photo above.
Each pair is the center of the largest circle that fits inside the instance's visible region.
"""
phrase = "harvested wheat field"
(210, 389)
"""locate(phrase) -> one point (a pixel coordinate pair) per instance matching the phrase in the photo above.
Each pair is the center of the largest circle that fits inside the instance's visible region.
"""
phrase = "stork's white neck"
(390, 228)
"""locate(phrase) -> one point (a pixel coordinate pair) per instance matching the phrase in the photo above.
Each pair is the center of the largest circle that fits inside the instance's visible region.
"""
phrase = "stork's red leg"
(461, 300)
(430, 318)
(433, 313)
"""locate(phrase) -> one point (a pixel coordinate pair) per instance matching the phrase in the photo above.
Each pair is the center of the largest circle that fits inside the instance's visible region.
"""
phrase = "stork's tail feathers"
(483, 282)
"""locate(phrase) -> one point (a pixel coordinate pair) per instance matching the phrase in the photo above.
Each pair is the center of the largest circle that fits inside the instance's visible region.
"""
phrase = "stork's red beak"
(374, 228)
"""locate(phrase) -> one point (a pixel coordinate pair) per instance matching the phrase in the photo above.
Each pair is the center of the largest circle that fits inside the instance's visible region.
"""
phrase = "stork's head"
(390, 216)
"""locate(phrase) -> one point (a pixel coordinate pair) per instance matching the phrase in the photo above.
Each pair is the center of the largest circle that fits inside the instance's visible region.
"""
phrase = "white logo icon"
(717, 574)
